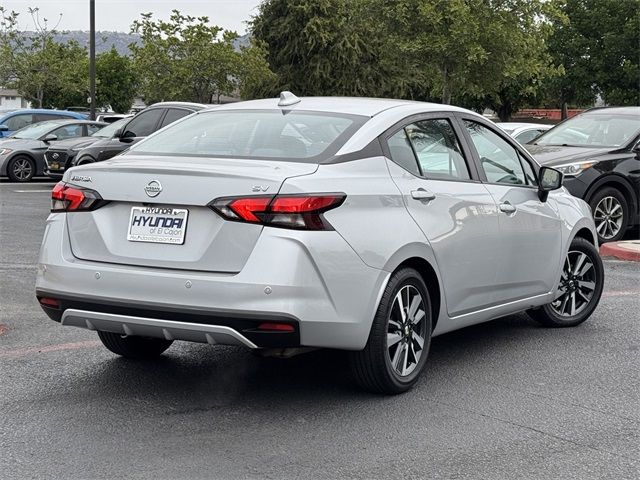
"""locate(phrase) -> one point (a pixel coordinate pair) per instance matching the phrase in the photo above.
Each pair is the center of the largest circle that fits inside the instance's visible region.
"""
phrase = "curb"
(629, 251)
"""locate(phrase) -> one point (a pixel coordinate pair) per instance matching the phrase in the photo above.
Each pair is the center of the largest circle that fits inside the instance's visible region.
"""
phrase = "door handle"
(507, 208)
(422, 194)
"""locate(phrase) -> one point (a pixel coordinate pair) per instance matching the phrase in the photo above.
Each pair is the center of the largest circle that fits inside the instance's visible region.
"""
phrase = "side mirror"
(50, 138)
(117, 133)
(4, 128)
(550, 179)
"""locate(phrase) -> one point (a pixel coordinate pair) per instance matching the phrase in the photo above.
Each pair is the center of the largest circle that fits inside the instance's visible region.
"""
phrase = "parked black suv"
(113, 140)
(599, 153)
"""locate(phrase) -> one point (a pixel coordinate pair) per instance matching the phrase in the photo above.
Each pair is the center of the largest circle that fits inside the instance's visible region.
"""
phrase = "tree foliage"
(325, 47)
(473, 52)
(597, 44)
(187, 58)
(116, 81)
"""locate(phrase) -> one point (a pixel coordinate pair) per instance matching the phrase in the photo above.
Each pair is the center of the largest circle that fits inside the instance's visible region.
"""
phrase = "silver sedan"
(286, 224)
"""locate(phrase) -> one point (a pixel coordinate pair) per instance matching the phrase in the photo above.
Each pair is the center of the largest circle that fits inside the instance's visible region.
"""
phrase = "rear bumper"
(311, 280)
(228, 328)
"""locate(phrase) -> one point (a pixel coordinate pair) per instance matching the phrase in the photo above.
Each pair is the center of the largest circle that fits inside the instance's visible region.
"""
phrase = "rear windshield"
(254, 134)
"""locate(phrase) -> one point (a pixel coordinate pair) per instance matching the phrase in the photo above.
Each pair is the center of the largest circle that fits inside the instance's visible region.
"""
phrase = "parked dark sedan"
(60, 156)
(146, 122)
(599, 154)
(22, 154)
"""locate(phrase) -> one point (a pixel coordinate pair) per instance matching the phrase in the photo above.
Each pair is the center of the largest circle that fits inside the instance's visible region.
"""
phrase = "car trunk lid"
(136, 186)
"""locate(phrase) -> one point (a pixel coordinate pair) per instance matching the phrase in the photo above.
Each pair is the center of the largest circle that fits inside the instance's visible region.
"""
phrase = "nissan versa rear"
(288, 224)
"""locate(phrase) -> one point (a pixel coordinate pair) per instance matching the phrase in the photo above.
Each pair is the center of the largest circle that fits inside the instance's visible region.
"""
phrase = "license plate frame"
(160, 225)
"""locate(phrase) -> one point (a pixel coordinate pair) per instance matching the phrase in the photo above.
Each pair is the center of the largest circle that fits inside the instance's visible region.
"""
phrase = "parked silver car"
(358, 224)
(524, 132)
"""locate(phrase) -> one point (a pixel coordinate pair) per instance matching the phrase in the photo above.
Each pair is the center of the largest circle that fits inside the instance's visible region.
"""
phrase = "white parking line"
(32, 191)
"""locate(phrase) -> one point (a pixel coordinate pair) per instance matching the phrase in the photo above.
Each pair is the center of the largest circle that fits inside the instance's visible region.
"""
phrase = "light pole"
(92, 59)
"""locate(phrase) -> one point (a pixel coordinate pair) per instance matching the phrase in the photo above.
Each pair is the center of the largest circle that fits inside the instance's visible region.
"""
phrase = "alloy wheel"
(22, 169)
(608, 216)
(406, 332)
(577, 285)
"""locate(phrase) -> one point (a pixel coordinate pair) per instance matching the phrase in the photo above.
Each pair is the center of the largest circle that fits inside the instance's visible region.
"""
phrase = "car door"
(530, 230)
(140, 126)
(443, 194)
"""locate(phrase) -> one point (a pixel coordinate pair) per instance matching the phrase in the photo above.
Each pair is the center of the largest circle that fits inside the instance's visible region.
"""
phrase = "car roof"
(71, 121)
(42, 111)
(368, 107)
(190, 105)
(517, 125)
(613, 110)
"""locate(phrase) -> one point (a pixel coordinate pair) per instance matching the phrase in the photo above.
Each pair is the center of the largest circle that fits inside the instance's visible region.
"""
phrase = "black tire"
(597, 204)
(372, 367)
(134, 347)
(21, 169)
(549, 316)
(84, 161)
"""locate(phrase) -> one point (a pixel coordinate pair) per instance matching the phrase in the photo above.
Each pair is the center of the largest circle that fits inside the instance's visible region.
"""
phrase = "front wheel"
(610, 214)
(398, 344)
(132, 346)
(580, 288)
(21, 169)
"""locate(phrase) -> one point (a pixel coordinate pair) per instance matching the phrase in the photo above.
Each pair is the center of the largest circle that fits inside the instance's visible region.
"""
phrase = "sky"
(117, 15)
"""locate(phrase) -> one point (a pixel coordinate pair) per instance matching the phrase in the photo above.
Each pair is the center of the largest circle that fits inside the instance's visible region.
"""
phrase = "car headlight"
(5, 151)
(576, 168)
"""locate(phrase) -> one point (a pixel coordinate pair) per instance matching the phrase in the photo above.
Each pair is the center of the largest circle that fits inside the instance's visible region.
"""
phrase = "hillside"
(120, 40)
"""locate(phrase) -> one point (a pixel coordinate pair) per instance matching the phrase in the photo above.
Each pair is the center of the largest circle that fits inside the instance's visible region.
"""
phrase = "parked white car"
(524, 132)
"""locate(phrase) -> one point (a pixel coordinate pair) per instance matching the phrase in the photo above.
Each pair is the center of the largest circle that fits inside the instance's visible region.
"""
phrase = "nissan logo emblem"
(55, 155)
(153, 188)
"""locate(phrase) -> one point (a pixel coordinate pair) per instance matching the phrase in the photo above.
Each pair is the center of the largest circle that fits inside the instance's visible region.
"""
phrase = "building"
(10, 99)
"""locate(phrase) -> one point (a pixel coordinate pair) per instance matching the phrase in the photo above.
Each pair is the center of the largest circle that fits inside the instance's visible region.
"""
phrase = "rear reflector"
(66, 198)
(276, 327)
(49, 302)
(301, 212)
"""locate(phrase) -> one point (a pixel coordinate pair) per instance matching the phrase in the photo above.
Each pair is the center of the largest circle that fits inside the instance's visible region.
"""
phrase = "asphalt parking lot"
(507, 399)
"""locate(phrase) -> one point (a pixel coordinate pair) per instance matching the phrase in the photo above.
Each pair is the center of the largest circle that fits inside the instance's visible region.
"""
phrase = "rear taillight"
(67, 198)
(300, 212)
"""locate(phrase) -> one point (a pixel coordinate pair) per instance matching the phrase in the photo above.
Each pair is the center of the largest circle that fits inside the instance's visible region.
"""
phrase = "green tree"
(9, 42)
(325, 47)
(597, 44)
(53, 74)
(473, 52)
(116, 81)
(186, 58)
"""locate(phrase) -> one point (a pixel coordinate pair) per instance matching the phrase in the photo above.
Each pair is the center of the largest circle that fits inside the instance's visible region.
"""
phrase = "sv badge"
(260, 188)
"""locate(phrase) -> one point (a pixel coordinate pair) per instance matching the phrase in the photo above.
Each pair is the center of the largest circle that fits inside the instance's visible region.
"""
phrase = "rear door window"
(438, 150)
(19, 121)
(43, 117)
(143, 124)
(174, 114)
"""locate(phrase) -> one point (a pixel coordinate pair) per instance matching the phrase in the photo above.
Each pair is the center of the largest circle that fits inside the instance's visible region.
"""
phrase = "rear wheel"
(579, 290)
(134, 347)
(400, 337)
(21, 169)
(610, 213)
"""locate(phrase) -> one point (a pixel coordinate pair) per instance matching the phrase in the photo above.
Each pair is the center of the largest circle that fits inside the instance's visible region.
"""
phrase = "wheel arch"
(428, 274)
(84, 160)
(587, 234)
(420, 256)
(21, 154)
(619, 182)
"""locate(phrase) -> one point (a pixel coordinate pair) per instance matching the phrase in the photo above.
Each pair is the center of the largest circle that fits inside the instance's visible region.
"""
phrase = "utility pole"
(92, 59)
